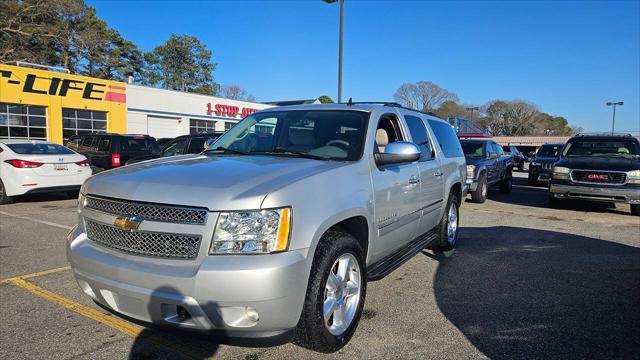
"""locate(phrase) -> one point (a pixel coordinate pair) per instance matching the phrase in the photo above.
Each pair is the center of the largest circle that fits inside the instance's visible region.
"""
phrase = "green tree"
(182, 63)
(325, 99)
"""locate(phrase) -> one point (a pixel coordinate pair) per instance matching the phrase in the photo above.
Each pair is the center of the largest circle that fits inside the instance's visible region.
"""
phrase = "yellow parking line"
(115, 323)
(36, 274)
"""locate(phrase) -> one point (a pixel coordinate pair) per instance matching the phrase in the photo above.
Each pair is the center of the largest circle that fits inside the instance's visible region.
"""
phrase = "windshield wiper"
(280, 150)
(220, 148)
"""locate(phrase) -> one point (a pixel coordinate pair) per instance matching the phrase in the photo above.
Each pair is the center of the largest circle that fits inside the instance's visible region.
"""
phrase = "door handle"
(438, 173)
(414, 179)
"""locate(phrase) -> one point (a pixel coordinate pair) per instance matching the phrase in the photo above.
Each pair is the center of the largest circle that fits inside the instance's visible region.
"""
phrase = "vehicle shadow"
(526, 293)
(537, 196)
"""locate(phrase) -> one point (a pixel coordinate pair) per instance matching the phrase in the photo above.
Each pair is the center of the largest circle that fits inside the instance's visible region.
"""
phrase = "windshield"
(39, 149)
(626, 149)
(472, 149)
(549, 151)
(321, 134)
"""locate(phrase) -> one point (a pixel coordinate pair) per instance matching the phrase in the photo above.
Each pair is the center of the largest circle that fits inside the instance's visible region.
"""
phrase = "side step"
(387, 265)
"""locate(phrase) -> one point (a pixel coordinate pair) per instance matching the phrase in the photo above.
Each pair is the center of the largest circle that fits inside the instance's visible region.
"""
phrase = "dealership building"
(47, 105)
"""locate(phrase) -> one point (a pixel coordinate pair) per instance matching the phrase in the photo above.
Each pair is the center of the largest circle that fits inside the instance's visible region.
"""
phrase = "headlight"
(561, 173)
(535, 163)
(634, 177)
(471, 171)
(252, 232)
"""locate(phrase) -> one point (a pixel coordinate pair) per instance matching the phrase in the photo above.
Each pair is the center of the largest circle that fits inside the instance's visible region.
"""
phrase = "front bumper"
(538, 174)
(238, 296)
(627, 195)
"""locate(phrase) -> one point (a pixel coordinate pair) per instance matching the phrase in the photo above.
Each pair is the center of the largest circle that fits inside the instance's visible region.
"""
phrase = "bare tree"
(423, 95)
(235, 92)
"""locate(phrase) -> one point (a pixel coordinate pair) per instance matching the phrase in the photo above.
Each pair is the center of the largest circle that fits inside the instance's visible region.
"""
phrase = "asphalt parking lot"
(525, 281)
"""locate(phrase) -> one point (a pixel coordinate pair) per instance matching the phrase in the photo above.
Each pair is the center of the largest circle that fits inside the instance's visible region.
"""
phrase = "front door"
(396, 194)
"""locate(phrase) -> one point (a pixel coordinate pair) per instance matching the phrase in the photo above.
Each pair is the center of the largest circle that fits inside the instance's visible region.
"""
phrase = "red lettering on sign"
(228, 110)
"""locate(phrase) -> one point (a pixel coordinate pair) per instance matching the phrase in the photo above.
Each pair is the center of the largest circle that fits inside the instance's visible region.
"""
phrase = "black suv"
(185, 144)
(107, 151)
(518, 157)
(598, 168)
(540, 166)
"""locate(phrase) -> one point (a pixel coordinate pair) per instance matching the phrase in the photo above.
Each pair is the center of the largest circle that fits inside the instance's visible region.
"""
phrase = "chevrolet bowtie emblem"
(128, 223)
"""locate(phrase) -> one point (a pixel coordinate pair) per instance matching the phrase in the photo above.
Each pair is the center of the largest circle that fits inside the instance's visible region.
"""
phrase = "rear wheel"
(507, 183)
(531, 181)
(480, 195)
(4, 199)
(335, 294)
(448, 227)
(635, 209)
(521, 166)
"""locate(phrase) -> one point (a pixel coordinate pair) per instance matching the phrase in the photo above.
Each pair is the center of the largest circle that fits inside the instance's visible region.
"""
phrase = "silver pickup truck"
(273, 232)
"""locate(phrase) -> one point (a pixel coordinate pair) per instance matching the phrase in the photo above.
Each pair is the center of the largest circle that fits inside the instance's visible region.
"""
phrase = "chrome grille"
(143, 243)
(598, 177)
(152, 212)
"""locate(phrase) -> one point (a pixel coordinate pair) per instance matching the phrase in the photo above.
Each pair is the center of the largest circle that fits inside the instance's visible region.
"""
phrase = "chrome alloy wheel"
(342, 294)
(452, 223)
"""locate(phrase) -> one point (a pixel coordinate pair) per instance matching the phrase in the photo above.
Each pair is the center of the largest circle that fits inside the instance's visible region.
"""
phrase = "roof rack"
(604, 134)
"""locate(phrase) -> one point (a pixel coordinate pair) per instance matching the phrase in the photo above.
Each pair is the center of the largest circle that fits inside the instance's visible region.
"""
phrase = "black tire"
(635, 209)
(480, 195)
(311, 331)
(4, 199)
(443, 242)
(521, 166)
(506, 184)
(531, 181)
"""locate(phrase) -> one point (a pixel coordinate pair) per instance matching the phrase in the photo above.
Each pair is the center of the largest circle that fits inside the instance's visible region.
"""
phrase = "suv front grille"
(598, 177)
(152, 212)
(144, 243)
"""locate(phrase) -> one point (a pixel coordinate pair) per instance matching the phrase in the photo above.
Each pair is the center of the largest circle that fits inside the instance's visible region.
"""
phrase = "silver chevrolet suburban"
(273, 232)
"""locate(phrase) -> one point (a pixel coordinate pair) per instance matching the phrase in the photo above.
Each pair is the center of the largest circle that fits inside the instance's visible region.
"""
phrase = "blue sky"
(569, 58)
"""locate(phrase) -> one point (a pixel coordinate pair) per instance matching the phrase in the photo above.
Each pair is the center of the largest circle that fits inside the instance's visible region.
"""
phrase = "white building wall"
(167, 113)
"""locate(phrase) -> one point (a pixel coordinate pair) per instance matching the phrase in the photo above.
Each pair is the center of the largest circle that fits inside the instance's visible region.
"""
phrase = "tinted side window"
(104, 145)
(447, 139)
(89, 143)
(196, 145)
(135, 144)
(174, 148)
(419, 135)
(74, 143)
(498, 149)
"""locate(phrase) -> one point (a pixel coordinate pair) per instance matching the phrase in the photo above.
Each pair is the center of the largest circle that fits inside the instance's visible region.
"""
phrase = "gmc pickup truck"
(274, 232)
(487, 165)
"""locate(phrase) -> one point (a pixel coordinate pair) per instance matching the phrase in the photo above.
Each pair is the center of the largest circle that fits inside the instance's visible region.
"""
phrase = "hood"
(545, 159)
(217, 182)
(599, 163)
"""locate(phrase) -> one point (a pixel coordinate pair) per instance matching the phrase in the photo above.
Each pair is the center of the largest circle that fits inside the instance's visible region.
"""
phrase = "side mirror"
(493, 155)
(398, 152)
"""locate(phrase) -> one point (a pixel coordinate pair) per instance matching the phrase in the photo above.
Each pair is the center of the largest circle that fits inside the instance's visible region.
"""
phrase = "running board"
(387, 265)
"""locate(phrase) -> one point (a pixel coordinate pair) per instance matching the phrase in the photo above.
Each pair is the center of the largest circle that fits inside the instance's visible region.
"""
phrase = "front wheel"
(635, 209)
(507, 183)
(480, 195)
(335, 294)
(448, 227)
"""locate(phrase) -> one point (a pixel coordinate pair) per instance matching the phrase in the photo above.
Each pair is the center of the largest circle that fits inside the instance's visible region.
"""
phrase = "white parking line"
(37, 220)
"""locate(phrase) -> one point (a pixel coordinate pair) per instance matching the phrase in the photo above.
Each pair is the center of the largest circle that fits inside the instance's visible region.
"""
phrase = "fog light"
(252, 314)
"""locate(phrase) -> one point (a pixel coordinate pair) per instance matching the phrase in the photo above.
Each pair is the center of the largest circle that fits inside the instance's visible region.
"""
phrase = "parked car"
(185, 144)
(275, 232)
(518, 157)
(487, 165)
(163, 141)
(602, 168)
(541, 165)
(108, 151)
(33, 166)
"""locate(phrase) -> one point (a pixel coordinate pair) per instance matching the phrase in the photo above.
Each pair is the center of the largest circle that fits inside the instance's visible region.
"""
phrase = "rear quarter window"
(133, 144)
(446, 138)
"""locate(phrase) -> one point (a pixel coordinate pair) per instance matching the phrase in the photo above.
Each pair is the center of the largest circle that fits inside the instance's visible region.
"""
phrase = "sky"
(567, 57)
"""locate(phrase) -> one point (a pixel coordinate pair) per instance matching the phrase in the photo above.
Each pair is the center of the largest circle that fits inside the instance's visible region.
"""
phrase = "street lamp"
(472, 109)
(339, 47)
(613, 122)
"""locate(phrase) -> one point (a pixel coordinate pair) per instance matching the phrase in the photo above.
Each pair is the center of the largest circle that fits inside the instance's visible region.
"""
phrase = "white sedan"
(30, 166)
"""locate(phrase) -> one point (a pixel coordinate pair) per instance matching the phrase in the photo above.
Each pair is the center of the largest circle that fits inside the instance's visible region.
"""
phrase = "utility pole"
(339, 46)
(613, 122)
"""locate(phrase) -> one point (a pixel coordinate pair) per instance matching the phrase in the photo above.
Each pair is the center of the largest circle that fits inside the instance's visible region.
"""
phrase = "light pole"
(613, 122)
(472, 109)
(339, 47)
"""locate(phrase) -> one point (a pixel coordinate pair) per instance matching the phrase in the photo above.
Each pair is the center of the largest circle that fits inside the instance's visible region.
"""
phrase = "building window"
(83, 122)
(23, 122)
(201, 126)
(228, 125)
